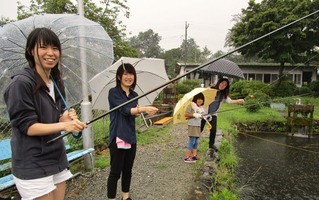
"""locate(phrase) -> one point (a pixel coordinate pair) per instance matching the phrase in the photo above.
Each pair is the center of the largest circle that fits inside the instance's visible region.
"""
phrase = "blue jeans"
(192, 143)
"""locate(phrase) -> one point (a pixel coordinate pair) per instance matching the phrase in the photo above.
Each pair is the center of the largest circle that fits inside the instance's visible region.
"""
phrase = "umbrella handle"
(76, 136)
(209, 126)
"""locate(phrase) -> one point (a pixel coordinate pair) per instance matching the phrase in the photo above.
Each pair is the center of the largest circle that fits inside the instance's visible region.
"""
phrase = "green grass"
(154, 134)
(315, 102)
(161, 166)
(231, 114)
(102, 160)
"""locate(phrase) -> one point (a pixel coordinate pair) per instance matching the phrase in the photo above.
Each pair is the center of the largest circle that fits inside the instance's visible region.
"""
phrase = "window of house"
(251, 76)
(266, 78)
(298, 79)
(290, 77)
(245, 76)
(259, 77)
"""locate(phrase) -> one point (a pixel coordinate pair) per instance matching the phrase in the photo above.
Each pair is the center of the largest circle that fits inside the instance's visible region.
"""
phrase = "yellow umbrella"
(180, 108)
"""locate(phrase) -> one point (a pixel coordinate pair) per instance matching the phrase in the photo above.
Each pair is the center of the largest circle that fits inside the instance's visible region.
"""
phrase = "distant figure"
(37, 115)
(222, 86)
(122, 130)
(194, 112)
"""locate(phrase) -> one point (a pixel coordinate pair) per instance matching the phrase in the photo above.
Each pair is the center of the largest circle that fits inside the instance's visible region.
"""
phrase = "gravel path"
(158, 173)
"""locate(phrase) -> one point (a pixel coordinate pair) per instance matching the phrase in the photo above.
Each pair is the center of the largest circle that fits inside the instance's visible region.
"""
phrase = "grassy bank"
(229, 115)
(225, 188)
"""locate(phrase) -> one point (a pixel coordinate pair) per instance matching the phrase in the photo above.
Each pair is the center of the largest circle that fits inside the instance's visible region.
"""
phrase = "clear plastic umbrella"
(95, 45)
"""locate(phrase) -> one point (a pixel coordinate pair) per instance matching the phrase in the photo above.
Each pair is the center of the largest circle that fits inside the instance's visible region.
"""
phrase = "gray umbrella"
(79, 36)
(224, 67)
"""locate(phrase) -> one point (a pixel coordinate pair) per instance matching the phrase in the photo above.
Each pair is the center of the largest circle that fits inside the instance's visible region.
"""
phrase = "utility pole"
(186, 43)
(86, 107)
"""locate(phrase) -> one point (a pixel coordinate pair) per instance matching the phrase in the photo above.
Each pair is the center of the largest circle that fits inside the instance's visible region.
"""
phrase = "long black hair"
(38, 37)
(225, 92)
(120, 71)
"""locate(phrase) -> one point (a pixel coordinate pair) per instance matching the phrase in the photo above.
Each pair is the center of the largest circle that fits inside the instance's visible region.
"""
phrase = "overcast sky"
(208, 20)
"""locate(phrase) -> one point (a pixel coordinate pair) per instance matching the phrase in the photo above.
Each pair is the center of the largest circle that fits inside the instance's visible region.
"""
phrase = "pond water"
(274, 166)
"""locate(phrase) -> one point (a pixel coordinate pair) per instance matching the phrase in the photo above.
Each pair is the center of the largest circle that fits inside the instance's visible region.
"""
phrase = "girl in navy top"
(122, 130)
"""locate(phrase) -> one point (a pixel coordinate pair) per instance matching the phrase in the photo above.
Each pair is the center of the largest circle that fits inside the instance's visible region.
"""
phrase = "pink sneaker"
(189, 160)
(195, 157)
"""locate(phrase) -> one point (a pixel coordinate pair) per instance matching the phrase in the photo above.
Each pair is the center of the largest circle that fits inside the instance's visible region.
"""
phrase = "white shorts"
(31, 189)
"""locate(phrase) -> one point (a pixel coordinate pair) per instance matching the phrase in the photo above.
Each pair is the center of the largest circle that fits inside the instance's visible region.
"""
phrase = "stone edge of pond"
(203, 185)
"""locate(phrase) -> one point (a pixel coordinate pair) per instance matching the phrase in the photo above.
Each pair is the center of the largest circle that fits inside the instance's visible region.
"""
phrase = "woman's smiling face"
(222, 85)
(46, 56)
(127, 79)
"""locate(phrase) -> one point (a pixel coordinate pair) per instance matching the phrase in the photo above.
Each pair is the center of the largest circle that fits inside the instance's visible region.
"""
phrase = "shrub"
(314, 87)
(252, 104)
(187, 86)
(243, 88)
(285, 89)
(304, 90)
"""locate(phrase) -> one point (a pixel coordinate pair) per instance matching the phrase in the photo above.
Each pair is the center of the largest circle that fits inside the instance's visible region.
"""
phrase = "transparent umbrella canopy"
(83, 42)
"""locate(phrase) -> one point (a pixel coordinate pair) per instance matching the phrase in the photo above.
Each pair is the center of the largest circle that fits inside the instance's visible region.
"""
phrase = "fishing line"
(278, 143)
(189, 72)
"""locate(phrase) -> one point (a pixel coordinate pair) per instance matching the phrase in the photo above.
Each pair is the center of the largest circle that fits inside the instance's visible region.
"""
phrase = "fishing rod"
(189, 72)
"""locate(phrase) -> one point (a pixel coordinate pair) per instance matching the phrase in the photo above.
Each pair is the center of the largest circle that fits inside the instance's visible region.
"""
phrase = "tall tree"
(147, 44)
(190, 51)
(171, 57)
(291, 45)
(205, 54)
(107, 16)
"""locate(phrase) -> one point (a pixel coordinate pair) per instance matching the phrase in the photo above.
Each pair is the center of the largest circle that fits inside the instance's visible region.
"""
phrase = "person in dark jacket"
(37, 115)
(222, 95)
(122, 130)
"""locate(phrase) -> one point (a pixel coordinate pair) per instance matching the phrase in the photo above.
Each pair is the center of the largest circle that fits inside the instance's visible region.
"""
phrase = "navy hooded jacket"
(32, 157)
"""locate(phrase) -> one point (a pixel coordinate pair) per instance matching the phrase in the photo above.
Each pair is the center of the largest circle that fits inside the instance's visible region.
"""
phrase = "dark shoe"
(214, 148)
(216, 156)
